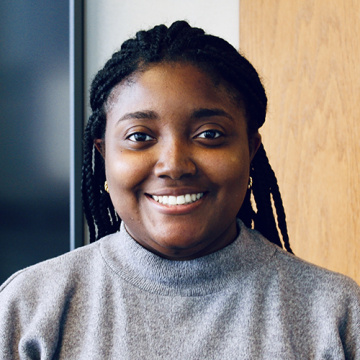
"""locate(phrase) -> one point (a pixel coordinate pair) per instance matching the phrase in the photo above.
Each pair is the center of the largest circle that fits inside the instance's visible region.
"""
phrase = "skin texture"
(171, 130)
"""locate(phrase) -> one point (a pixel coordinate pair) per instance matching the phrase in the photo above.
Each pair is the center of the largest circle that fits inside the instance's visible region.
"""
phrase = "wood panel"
(308, 54)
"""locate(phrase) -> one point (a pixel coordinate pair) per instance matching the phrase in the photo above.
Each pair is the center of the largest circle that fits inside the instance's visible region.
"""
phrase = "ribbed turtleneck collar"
(197, 277)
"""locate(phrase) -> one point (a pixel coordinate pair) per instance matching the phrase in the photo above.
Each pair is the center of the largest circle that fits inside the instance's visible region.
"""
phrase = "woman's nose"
(175, 161)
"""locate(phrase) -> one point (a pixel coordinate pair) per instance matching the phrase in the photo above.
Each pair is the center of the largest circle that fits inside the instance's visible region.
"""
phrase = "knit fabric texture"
(114, 299)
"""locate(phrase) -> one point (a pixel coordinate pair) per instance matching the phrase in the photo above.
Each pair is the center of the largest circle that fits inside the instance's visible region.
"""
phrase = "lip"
(176, 209)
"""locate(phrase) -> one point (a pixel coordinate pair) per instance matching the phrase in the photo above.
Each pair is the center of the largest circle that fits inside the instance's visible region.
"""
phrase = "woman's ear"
(100, 146)
(254, 144)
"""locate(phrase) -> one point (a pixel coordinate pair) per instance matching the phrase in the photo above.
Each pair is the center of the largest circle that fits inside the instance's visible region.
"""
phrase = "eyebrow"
(151, 115)
(201, 113)
(197, 114)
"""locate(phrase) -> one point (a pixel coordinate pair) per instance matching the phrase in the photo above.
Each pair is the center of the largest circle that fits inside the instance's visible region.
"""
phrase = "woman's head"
(179, 56)
(177, 159)
(183, 43)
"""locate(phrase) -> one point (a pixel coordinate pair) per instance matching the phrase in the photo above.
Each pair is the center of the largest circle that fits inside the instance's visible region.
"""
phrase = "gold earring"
(250, 182)
(106, 186)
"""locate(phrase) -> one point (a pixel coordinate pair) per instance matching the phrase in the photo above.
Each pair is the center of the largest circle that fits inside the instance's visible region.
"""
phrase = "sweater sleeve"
(30, 315)
(349, 326)
(10, 326)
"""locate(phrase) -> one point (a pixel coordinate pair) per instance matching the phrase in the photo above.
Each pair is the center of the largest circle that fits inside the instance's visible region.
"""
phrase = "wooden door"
(308, 54)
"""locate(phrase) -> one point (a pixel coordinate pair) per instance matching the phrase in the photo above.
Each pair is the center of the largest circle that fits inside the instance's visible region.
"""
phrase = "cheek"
(232, 176)
(125, 171)
(231, 168)
(240, 167)
(237, 177)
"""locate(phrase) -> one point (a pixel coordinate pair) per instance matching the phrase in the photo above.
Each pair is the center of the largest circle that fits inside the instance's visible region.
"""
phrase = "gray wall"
(34, 128)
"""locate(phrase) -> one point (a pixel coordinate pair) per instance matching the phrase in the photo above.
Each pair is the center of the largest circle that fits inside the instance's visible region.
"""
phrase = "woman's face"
(177, 160)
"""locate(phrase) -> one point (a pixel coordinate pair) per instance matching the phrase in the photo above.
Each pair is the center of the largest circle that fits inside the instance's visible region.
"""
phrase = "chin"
(180, 247)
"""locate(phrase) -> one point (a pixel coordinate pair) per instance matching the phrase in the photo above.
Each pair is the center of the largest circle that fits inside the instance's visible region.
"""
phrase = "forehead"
(173, 78)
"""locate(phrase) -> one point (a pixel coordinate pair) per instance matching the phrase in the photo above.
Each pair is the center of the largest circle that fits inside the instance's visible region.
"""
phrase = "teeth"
(178, 200)
(172, 200)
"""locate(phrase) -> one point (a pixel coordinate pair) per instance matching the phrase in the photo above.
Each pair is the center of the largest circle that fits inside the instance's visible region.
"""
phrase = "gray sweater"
(115, 300)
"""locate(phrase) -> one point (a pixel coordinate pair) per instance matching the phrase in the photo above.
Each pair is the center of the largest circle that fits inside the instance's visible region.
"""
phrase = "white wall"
(110, 22)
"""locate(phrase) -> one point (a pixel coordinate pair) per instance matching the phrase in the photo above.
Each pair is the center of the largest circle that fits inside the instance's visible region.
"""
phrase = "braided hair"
(182, 43)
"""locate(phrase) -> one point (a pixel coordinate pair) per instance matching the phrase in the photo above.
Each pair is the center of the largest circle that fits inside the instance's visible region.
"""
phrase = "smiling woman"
(177, 155)
(227, 73)
(174, 177)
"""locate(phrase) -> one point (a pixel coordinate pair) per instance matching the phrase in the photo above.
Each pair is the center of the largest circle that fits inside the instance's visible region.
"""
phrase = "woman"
(172, 156)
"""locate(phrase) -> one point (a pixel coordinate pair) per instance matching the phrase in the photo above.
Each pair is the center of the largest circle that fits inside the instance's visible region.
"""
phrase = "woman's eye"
(140, 137)
(210, 134)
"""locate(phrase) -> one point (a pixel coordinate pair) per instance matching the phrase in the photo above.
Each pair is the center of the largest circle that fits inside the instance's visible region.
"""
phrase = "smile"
(177, 200)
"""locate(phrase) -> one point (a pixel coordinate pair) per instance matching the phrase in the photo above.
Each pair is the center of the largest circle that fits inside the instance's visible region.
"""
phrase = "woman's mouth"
(178, 200)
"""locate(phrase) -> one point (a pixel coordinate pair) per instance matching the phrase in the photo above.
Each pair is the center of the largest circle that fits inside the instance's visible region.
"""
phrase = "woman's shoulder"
(314, 276)
(303, 277)
(312, 280)
(53, 273)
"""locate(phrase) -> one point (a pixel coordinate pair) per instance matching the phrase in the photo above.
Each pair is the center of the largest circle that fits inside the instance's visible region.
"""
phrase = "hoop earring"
(106, 186)
(250, 182)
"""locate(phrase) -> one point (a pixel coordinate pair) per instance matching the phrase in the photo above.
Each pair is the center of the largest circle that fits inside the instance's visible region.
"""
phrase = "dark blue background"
(34, 132)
